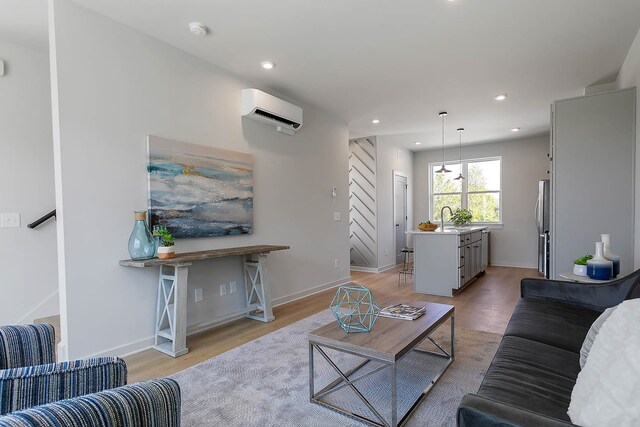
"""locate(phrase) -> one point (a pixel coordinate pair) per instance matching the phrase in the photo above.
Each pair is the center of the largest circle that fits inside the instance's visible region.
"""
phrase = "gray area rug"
(266, 381)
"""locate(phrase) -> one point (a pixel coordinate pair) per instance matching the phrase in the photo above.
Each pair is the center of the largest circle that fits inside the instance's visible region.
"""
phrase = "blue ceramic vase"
(599, 268)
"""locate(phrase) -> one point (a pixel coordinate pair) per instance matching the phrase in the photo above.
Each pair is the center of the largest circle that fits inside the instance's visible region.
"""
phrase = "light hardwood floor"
(485, 305)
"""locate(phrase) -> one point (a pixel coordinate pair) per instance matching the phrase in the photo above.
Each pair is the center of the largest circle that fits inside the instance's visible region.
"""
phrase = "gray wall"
(391, 158)
(112, 87)
(29, 283)
(630, 77)
(524, 163)
(593, 173)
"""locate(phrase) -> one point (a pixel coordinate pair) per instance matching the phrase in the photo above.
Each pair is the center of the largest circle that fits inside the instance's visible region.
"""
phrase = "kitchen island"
(445, 261)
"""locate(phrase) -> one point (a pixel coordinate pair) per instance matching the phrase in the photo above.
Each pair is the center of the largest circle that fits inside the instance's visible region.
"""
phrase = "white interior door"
(400, 214)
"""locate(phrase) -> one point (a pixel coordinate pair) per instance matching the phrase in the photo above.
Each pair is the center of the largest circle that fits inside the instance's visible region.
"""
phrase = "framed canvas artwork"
(199, 191)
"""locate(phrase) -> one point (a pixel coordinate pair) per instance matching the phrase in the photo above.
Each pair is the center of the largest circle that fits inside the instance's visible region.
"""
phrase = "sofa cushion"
(556, 323)
(606, 391)
(591, 335)
(533, 376)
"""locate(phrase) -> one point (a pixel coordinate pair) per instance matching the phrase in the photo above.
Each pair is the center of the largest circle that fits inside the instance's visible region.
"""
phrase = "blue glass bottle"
(141, 243)
(599, 268)
(615, 259)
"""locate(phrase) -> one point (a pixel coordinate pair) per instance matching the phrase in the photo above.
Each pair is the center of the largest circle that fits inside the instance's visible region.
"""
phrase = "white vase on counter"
(599, 268)
(615, 259)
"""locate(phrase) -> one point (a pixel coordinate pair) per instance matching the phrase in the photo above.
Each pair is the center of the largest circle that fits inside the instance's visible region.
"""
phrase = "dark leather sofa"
(531, 377)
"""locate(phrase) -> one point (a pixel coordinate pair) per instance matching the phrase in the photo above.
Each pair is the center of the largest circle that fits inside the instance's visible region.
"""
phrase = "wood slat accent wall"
(362, 202)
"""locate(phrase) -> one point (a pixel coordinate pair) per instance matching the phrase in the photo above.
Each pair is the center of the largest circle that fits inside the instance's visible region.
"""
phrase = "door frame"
(395, 173)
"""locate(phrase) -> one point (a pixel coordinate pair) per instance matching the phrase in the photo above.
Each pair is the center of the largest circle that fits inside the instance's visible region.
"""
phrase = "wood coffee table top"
(389, 339)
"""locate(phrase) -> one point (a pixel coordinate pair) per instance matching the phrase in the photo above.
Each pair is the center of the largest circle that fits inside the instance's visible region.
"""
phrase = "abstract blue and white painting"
(199, 191)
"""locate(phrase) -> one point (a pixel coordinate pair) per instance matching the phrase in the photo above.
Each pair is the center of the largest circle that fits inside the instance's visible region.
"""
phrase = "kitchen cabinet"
(446, 261)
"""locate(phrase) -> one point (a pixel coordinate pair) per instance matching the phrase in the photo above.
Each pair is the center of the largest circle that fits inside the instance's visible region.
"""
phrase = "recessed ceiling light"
(375, 121)
(198, 28)
(515, 129)
(268, 65)
(500, 97)
(417, 142)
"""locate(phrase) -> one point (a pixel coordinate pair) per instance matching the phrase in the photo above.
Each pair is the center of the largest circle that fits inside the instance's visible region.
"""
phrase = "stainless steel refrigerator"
(543, 222)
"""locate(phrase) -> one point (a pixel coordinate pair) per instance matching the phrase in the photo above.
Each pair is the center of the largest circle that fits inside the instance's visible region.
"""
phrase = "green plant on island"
(461, 217)
(166, 239)
(583, 260)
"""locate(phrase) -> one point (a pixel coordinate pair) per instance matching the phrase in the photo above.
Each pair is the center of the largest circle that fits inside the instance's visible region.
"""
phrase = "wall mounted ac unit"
(257, 105)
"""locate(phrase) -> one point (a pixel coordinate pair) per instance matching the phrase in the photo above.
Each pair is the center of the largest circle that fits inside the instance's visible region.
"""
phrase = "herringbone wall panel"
(362, 202)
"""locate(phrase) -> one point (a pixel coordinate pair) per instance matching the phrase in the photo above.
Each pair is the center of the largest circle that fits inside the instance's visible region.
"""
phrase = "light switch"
(336, 216)
(10, 220)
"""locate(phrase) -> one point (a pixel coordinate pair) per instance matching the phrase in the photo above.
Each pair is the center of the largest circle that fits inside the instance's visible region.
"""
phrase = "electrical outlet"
(335, 263)
(10, 220)
(232, 287)
(336, 216)
(223, 289)
(198, 295)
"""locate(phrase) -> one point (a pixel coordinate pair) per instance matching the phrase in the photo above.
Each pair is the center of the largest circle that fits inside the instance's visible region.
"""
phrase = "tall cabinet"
(592, 185)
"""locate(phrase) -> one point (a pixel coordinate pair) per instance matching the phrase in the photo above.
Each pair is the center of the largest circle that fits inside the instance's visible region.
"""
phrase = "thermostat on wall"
(1, 67)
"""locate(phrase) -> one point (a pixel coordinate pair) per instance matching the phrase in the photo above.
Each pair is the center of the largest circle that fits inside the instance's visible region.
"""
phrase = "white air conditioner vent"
(258, 105)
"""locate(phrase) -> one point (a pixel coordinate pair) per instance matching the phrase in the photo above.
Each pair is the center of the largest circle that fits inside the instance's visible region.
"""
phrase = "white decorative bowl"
(168, 252)
(579, 270)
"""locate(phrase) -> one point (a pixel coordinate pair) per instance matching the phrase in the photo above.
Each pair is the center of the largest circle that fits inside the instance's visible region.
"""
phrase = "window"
(480, 192)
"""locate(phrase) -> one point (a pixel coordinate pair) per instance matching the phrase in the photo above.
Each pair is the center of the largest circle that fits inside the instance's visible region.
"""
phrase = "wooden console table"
(171, 307)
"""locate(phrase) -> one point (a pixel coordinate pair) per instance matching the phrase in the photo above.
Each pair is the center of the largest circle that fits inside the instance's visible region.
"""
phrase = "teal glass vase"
(141, 243)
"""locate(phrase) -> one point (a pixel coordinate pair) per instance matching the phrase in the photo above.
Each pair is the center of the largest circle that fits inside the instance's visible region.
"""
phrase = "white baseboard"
(372, 269)
(386, 267)
(146, 343)
(364, 269)
(126, 349)
(218, 321)
(312, 291)
(514, 265)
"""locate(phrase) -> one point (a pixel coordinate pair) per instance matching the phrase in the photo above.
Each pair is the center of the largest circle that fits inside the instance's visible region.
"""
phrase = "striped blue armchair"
(30, 377)
(37, 392)
(153, 403)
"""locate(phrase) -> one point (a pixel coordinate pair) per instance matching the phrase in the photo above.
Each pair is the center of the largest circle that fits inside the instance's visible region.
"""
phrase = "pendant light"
(443, 169)
(460, 130)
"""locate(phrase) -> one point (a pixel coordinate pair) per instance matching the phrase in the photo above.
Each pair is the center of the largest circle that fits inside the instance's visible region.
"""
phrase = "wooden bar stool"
(407, 265)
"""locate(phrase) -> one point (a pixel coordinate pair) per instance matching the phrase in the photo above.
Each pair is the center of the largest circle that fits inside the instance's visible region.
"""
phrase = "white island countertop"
(445, 261)
(452, 230)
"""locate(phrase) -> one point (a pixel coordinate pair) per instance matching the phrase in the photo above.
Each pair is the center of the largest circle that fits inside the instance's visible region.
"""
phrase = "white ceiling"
(402, 62)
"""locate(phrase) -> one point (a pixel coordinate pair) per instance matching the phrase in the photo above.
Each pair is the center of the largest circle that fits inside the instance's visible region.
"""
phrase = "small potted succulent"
(580, 265)
(166, 246)
(461, 217)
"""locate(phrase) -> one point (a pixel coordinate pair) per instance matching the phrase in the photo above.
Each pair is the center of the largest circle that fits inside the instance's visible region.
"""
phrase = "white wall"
(114, 86)
(29, 282)
(524, 163)
(391, 158)
(629, 76)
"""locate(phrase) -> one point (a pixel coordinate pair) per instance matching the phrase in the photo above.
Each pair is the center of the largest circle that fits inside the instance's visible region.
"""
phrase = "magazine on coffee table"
(402, 311)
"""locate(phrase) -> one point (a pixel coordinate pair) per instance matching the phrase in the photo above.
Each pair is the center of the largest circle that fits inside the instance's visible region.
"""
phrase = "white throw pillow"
(591, 335)
(607, 389)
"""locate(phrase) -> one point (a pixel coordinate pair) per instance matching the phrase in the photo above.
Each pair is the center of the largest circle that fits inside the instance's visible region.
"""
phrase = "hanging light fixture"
(443, 169)
(460, 130)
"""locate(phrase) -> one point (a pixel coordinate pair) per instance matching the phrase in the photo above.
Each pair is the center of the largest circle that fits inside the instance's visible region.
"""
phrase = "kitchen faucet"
(442, 215)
